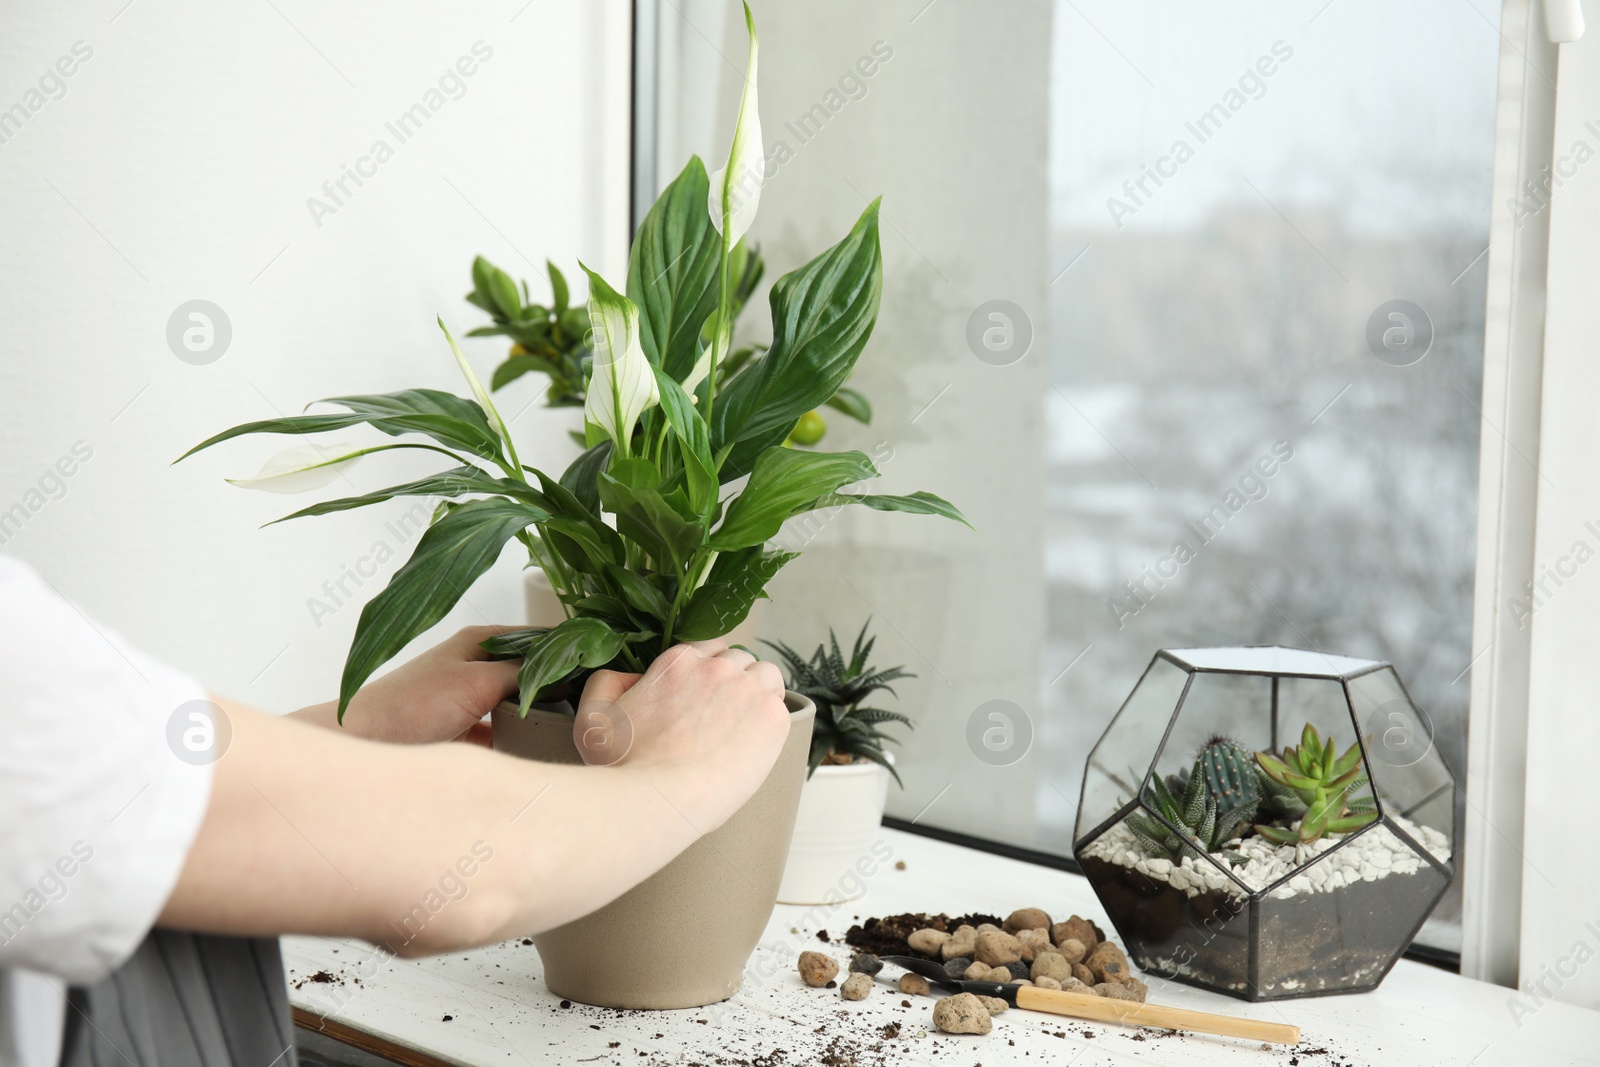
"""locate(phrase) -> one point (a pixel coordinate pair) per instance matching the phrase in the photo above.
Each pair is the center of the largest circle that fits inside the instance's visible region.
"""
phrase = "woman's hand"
(704, 724)
(441, 695)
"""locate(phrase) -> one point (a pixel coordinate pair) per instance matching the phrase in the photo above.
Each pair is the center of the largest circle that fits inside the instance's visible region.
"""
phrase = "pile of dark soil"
(887, 936)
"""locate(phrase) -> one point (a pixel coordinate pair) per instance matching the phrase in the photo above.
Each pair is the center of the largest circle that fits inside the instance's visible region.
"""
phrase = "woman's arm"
(427, 848)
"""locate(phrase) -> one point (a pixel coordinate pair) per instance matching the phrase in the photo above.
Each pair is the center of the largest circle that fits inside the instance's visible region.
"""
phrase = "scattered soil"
(320, 978)
(887, 936)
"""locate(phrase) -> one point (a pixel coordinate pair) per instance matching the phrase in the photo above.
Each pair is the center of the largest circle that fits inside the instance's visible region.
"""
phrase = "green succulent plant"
(1231, 777)
(1197, 823)
(839, 687)
(1309, 782)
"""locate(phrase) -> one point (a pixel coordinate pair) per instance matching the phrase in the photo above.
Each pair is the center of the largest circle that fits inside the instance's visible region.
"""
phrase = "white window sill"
(500, 1012)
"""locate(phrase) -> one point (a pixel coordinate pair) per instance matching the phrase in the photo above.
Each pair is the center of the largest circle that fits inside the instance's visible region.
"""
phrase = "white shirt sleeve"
(98, 809)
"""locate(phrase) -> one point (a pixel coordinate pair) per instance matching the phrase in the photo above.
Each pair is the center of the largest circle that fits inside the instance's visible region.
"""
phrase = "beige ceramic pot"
(681, 938)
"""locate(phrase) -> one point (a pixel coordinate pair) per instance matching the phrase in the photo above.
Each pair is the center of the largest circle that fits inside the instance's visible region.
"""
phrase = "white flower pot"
(841, 808)
(544, 607)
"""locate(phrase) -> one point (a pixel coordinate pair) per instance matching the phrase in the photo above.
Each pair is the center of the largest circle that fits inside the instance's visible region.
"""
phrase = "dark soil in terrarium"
(1309, 943)
(887, 936)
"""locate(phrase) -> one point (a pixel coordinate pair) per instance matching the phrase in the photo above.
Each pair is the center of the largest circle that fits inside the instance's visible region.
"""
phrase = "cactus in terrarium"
(1232, 778)
(1197, 824)
(1310, 783)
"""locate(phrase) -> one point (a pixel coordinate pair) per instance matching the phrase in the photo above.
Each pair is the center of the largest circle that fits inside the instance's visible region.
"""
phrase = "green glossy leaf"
(446, 418)
(495, 286)
(559, 293)
(822, 316)
(449, 557)
(645, 517)
(449, 419)
(582, 478)
(852, 403)
(694, 444)
(1354, 821)
(672, 272)
(735, 581)
(640, 594)
(512, 644)
(515, 367)
(785, 481)
(918, 503)
(1347, 762)
(1310, 742)
(452, 483)
(583, 642)
(1278, 835)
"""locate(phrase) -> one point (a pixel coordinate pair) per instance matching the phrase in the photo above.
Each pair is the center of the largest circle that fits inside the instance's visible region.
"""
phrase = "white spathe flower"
(739, 183)
(720, 340)
(622, 383)
(479, 393)
(302, 468)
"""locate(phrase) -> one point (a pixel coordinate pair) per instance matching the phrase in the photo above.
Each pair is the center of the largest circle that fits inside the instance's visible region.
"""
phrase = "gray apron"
(185, 1000)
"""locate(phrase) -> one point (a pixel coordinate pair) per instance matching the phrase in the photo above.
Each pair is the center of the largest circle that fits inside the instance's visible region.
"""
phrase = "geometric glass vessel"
(1225, 861)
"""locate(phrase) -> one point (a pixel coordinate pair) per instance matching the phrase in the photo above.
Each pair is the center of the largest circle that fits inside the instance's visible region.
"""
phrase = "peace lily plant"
(647, 537)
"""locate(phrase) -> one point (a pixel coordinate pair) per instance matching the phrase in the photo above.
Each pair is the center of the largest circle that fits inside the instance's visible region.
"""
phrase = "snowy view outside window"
(1248, 440)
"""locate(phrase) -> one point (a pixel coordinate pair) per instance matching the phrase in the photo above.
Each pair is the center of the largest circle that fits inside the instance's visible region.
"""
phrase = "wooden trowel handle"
(1133, 1013)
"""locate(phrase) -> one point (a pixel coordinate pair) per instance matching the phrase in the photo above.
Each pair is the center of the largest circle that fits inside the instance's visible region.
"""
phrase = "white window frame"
(1507, 674)
(1514, 918)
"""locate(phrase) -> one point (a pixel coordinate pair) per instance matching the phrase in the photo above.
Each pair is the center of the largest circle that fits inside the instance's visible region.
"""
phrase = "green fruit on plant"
(810, 428)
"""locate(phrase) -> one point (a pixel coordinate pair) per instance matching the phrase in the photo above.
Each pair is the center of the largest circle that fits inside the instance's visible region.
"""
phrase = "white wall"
(177, 165)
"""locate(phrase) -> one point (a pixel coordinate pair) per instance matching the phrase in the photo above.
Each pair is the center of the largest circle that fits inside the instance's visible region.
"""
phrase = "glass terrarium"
(1267, 822)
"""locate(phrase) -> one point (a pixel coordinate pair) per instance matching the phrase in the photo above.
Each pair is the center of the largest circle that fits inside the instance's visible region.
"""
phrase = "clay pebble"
(1116, 991)
(817, 969)
(1083, 974)
(865, 963)
(994, 1005)
(856, 987)
(1026, 919)
(1076, 928)
(929, 942)
(962, 1013)
(957, 968)
(997, 948)
(961, 943)
(1051, 965)
(1073, 950)
(1034, 942)
(1044, 981)
(914, 983)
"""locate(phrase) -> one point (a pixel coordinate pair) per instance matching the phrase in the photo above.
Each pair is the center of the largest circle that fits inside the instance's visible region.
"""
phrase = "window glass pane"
(1240, 196)
(1182, 304)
